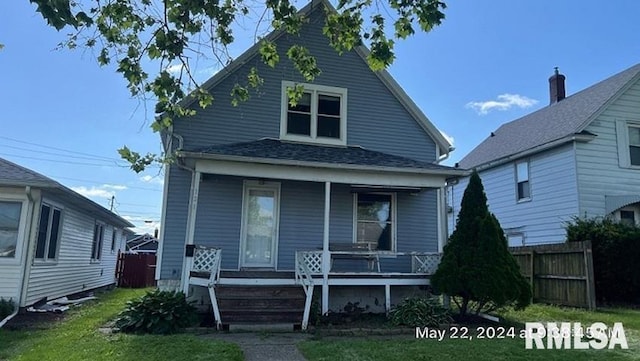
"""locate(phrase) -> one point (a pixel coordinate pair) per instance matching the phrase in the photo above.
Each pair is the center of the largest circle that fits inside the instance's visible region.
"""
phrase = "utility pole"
(113, 198)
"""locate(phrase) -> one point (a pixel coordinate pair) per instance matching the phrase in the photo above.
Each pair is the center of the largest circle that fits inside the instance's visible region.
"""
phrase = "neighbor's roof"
(559, 120)
(273, 149)
(444, 145)
(12, 174)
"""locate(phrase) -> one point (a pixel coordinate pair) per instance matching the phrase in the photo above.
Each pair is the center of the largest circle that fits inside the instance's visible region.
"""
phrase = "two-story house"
(577, 157)
(341, 192)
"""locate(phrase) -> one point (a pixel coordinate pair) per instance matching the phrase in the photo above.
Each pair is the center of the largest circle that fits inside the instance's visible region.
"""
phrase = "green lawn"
(78, 338)
(409, 348)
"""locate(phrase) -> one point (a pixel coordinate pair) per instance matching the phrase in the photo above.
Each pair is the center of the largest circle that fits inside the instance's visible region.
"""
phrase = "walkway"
(266, 346)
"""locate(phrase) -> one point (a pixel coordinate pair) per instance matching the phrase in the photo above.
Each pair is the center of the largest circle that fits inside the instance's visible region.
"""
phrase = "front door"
(260, 225)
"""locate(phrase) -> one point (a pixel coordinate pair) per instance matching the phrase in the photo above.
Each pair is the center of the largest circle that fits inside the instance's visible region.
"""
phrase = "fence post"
(590, 282)
(532, 270)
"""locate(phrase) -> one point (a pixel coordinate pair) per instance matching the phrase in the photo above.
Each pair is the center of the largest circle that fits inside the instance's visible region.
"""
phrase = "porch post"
(442, 219)
(190, 231)
(326, 256)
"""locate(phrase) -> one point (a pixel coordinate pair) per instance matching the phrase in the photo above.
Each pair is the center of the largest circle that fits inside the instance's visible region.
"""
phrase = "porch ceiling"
(275, 159)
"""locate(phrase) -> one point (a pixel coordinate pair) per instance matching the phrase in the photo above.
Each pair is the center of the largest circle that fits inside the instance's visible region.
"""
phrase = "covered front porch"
(349, 217)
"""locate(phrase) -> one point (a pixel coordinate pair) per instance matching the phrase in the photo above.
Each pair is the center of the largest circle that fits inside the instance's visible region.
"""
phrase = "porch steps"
(260, 304)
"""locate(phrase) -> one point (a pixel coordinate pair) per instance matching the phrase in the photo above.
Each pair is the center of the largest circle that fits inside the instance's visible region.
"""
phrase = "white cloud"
(503, 102)
(104, 191)
(115, 187)
(175, 68)
(152, 179)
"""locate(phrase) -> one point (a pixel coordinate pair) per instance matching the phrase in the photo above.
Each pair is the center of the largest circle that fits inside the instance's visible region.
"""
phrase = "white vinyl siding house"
(49, 254)
(604, 164)
(582, 152)
(541, 218)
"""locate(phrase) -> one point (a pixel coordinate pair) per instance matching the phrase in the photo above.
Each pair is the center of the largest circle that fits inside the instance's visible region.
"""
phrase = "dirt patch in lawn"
(24, 321)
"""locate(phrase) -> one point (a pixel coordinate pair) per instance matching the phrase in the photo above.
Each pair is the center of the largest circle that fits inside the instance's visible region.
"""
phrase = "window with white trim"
(9, 228)
(319, 116)
(48, 232)
(523, 189)
(98, 238)
(375, 220)
(114, 238)
(634, 144)
(515, 239)
(628, 215)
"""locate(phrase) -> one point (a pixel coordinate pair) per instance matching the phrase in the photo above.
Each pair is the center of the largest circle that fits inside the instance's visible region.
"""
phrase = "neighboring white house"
(579, 156)
(53, 241)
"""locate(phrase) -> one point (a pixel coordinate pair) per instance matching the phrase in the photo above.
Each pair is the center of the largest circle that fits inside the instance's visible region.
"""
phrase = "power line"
(99, 159)
(55, 148)
(62, 161)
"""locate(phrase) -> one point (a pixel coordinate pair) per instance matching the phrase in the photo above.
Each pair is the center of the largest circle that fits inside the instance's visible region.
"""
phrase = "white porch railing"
(421, 262)
(304, 277)
(206, 260)
(426, 263)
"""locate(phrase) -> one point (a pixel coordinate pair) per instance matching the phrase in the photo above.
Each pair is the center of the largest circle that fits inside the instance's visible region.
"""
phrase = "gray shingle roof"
(13, 174)
(550, 123)
(350, 155)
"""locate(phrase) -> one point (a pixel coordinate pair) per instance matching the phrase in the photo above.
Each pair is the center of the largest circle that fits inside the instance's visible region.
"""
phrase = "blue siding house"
(343, 190)
(578, 156)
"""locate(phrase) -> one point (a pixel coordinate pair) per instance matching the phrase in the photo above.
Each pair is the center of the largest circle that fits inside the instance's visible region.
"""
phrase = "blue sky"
(486, 65)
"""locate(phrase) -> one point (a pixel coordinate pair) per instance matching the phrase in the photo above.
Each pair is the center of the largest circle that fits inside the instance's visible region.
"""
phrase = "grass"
(78, 338)
(409, 348)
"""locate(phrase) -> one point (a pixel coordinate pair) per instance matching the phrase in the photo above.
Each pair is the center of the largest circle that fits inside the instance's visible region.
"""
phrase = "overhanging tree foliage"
(477, 269)
(145, 37)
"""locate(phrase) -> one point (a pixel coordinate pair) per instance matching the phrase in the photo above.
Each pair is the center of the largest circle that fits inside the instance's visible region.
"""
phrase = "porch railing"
(426, 263)
(304, 277)
(421, 262)
(207, 260)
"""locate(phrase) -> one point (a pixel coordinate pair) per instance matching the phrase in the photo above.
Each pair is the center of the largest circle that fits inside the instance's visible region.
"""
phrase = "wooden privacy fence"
(136, 270)
(560, 274)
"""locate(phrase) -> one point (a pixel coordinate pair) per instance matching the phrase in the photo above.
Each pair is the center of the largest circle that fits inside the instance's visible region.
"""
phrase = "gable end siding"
(375, 118)
(599, 172)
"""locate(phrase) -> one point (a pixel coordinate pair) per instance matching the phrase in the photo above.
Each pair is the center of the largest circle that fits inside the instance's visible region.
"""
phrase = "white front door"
(260, 213)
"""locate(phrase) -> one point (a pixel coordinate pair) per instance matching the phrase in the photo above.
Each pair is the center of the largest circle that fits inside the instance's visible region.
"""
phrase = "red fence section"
(136, 270)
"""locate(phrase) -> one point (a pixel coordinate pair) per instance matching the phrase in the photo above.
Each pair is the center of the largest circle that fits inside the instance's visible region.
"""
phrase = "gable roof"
(299, 153)
(12, 174)
(558, 121)
(444, 146)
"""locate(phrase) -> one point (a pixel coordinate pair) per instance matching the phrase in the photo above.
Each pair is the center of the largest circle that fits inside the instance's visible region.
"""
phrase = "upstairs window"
(375, 220)
(319, 116)
(523, 190)
(98, 237)
(48, 232)
(634, 145)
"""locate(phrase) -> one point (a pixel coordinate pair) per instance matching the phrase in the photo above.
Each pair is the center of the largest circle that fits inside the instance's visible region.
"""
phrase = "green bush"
(615, 257)
(420, 312)
(477, 270)
(157, 312)
(6, 308)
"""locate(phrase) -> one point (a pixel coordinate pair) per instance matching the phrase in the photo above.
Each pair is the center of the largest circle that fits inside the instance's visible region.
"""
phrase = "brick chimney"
(556, 87)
